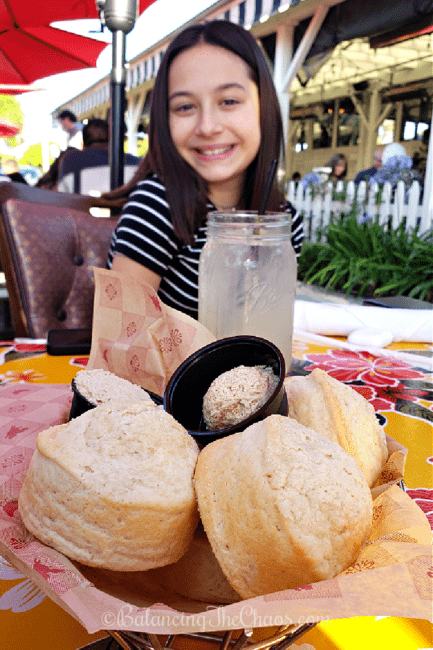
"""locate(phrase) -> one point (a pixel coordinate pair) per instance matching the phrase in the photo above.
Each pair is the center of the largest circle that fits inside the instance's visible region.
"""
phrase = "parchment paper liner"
(137, 336)
(391, 577)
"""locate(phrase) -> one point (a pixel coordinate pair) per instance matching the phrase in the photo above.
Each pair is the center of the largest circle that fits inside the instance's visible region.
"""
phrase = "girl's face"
(214, 116)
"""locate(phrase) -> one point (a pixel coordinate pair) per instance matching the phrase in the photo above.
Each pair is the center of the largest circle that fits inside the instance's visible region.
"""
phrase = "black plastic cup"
(183, 396)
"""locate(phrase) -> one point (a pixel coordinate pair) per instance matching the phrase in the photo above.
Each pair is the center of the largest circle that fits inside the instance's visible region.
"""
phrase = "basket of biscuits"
(238, 495)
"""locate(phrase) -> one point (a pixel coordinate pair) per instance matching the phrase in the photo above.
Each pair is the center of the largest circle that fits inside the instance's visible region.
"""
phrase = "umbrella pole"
(119, 16)
(117, 117)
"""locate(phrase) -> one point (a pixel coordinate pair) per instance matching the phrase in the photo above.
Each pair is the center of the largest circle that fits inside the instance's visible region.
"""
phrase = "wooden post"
(335, 122)
(398, 121)
(309, 132)
(283, 56)
(304, 46)
(133, 114)
(372, 128)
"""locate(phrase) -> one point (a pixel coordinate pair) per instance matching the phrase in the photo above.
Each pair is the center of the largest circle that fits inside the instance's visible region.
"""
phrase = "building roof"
(325, 75)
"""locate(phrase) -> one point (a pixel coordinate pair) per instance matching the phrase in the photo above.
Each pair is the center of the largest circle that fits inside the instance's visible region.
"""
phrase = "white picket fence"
(393, 209)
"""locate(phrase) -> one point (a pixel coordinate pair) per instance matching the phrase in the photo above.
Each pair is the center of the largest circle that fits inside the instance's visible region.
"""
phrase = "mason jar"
(247, 277)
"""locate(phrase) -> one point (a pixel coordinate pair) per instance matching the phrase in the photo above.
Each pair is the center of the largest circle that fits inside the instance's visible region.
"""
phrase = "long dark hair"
(334, 161)
(186, 190)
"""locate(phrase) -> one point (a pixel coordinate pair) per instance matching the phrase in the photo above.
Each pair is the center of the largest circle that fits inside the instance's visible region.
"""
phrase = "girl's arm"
(137, 271)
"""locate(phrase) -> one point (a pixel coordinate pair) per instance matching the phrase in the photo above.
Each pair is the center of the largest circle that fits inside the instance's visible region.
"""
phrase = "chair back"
(91, 180)
(47, 252)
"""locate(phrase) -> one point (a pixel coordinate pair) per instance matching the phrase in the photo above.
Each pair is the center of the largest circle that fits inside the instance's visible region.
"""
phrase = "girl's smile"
(215, 153)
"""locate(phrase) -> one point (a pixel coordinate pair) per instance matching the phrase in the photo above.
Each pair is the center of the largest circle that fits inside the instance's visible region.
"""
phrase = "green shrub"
(367, 259)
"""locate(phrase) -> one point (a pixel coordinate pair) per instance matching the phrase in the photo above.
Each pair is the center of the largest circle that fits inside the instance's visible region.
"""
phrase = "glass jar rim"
(249, 217)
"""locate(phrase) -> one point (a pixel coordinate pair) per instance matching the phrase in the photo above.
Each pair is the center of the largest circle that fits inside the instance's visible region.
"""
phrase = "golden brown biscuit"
(282, 506)
(341, 414)
(113, 488)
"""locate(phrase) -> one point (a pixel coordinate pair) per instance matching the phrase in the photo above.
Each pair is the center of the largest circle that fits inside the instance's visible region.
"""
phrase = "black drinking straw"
(267, 190)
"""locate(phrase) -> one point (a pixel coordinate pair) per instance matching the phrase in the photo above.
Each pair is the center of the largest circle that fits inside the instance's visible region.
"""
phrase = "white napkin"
(412, 325)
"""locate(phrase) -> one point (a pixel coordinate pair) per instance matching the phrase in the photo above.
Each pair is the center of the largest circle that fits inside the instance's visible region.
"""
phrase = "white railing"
(392, 209)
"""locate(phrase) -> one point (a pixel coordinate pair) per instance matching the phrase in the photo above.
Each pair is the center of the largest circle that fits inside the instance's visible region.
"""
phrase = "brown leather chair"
(49, 243)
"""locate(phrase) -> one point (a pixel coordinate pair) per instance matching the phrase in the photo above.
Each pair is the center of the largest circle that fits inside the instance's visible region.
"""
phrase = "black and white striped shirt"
(144, 233)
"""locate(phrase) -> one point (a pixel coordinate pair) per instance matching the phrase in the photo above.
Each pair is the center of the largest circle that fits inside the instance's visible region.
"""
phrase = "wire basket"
(279, 640)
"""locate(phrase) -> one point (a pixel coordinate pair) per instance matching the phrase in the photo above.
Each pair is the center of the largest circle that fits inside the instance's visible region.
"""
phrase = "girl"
(338, 165)
(215, 127)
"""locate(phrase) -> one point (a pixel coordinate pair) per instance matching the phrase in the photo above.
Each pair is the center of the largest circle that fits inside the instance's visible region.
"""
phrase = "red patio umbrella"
(28, 54)
(8, 129)
(24, 31)
(30, 49)
(33, 13)
(27, 13)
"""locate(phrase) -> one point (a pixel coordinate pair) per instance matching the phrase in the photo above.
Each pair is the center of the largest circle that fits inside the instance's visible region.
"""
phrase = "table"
(399, 385)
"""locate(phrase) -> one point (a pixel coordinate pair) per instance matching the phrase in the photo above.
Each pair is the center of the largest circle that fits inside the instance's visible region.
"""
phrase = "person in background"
(73, 128)
(215, 127)
(11, 169)
(94, 154)
(334, 170)
(366, 174)
(338, 165)
(296, 176)
(396, 166)
(50, 179)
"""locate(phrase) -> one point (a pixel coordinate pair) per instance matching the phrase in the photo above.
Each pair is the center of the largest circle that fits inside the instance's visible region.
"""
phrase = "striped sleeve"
(297, 228)
(144, 232)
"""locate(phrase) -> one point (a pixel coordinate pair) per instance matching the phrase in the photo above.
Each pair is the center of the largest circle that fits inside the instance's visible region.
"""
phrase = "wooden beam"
(386, 111)
(359, 108)
(305, 45)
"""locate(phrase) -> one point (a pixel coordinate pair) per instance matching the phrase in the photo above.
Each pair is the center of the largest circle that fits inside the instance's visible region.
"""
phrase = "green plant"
(365, 259)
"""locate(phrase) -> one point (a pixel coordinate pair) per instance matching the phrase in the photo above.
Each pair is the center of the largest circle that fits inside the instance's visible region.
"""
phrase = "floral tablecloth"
(397, 381)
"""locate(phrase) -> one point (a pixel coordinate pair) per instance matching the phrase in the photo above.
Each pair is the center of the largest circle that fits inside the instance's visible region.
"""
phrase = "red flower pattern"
(17, 544)
(364, 565)
(79, 361)
(176, 337)
(166, 344)
(155, 301)
(27, 376)
(14, 431)
(371, 396)
(135, 363)
(377, 512)
(131, 329)
(348, 366)
(384, 398)
(111, 292)
(9, 507)
(16, 459)
(381, 376)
